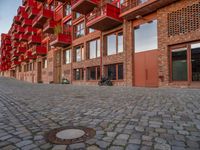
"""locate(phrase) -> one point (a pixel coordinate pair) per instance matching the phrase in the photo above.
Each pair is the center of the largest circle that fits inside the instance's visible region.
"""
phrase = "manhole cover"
(70, 135)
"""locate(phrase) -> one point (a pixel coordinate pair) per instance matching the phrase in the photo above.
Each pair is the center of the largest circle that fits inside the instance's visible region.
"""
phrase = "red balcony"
(39, 50)
(84, 6)
(61, 40)
(28, 56)
(34, 39)
(7, 42)
(20, 10)
(21, 58)
(15, 44)
(15, 28)
(26, 22)
(30, 4)
(42, 1)
(33, 12)
(23, 15)
(49, 26)
(21, 49)
(15, 36)
(24, 2)
(8, 48)
(20, 30)
(132, 9)
(23, 37)
(15, 54)
(42, 17)
(16, 20)
(63, 1)
(16, 62)
(104, 17)
(30, 30)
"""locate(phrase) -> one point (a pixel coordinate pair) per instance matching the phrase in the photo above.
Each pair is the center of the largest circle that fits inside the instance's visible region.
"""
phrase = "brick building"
(147, 43)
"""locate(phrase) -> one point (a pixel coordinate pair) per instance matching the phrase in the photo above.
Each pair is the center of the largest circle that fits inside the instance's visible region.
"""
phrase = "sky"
(8, 9)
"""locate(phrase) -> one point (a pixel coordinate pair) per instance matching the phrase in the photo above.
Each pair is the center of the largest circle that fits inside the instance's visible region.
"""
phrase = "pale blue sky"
(8, 9)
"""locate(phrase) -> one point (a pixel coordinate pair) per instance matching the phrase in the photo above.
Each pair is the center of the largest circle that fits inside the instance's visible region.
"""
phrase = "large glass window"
(145, 37)
(195, 60)
(78, 74)
(93, 73)
(115, 43)
(79, 53)
(44, 62)
(67, 56)
(179, 64)
(79, 30)
(94, 49)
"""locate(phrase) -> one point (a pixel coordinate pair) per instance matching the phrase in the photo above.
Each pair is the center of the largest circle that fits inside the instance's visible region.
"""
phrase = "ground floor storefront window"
(114, 71)
(185, 63)
(79, 74)
(93, 73)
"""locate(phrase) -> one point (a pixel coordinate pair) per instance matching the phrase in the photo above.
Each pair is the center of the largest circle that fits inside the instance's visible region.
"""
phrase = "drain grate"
(70, 135)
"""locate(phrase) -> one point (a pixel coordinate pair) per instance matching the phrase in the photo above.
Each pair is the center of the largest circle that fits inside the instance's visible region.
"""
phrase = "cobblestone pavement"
(124, 118)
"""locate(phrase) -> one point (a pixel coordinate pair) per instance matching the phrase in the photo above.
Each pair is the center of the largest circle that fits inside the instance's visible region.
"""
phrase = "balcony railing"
(20, 10)
(61, 40)
(16, 20)
(23, 15)
(7, 42)
(34, 39)
(131, 9)
(15, 44)
(42, 1)
(104, 17)
(42, 17)
(28, 55)
(30, 30)
(23, 37)
(49, 26)
(26, 22)
(21, 49)
(15, 36)
(39, 50)
(84, 6)
(20, 30)
(33, 12)
(30, 4)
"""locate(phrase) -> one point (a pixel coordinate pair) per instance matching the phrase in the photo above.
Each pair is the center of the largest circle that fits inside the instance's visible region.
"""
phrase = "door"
(39, 72)
(57, 67)
(146, 68)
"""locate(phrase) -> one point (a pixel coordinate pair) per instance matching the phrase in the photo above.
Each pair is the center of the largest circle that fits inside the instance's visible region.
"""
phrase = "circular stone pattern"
(70, 134)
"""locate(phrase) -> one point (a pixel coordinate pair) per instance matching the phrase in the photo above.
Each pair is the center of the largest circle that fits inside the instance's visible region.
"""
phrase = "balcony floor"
(84, 6)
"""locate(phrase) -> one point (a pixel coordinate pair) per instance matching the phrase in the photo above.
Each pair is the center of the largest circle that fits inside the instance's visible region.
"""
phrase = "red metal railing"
(73, 2)
(107, 9)
(131, 4)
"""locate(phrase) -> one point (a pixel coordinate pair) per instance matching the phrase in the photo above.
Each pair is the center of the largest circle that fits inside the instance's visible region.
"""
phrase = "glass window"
(112, 72)
(195, 61)
(79, 51)
(115, 43)
(77, 15)
(80, 30)
(111, 44)
(179, 64)
(44, 63)
(68, 10)
(67, 56)
(145, 37)
(78, 74)
(93, 73)
(120, 71)
(90, 30)
(120, 42)
(94, 49)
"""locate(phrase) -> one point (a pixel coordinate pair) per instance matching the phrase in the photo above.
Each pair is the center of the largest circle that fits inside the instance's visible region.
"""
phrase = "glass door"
(179, 64)
(195, 61)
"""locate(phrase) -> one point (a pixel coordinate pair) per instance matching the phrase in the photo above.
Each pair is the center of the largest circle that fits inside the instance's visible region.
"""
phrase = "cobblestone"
(125, 118)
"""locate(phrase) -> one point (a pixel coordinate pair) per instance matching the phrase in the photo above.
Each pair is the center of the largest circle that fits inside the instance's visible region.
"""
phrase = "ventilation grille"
(184, 20)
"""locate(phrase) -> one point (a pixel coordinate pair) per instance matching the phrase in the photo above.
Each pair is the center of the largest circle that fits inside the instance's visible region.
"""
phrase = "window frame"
(76, 30)
(116, 68)
(116, 44)
(96, 73)
(96, 51)
(81, 74)
(82, 53)
(65, 58)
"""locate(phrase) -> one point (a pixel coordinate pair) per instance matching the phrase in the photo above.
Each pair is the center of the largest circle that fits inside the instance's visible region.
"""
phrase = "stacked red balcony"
(15, 44)
(14, 28)
(15, 36)
(26, 22)
(33, 12)
(34, 39)
(20, 29)
(23, 15)
(49, 26)
(137, 8)
(39, 50)
(23, 37)
(16, 20)
(30, 30)
(21, 49)
(84, 6)
(28, 55)
(61, 40)
(30, 4)
(7, 42)
(104, 17)
(42, 1)
(42, 17)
